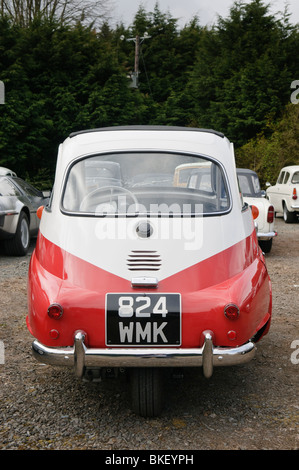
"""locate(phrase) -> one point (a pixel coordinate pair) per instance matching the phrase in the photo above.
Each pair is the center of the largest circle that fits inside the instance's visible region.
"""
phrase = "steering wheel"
(86, 200)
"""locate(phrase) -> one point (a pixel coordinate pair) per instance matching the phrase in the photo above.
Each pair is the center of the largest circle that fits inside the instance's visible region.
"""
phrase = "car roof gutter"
(147, 128)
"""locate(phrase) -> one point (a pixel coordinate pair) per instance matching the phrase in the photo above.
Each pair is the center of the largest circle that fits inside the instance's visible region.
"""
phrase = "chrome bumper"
(266, 235)
(80, 357)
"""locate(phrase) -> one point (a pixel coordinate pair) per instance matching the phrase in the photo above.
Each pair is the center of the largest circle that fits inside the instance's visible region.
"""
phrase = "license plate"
(143, 319)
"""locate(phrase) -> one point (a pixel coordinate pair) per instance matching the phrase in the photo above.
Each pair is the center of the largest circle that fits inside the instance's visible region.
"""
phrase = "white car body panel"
(183, 236)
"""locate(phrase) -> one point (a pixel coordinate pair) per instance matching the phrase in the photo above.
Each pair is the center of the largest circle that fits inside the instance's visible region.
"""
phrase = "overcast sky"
(184, 10)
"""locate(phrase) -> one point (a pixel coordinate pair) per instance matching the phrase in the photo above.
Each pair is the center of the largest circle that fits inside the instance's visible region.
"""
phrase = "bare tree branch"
(24, 12)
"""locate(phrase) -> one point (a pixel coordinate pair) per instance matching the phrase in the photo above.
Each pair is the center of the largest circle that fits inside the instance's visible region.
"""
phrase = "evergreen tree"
(243, 70)
(60, 77)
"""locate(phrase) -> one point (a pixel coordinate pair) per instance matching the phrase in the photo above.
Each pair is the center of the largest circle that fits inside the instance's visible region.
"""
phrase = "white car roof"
(146, 138)
(6, 172)
(290, 168)
(194, 141)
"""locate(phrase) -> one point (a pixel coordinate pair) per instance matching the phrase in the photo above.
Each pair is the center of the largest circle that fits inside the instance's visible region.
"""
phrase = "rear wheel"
(288, 216)
(266, 245)
(147, 391)
(18, 245)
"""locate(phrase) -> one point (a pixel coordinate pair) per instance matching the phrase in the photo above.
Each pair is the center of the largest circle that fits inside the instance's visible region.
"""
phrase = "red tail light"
(270, 216)
(39, 212)
(294, 194)
(255, 212)
(55, 311)
(231, 311)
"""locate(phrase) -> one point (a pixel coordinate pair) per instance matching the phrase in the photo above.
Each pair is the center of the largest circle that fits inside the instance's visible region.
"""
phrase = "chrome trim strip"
(9, 212)
(79, 356)
(144, 282)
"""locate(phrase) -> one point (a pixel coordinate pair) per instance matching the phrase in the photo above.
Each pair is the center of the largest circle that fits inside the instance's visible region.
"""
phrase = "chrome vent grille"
(144, 261)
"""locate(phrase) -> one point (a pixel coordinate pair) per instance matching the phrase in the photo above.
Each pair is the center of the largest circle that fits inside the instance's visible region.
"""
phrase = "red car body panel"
(228, 277)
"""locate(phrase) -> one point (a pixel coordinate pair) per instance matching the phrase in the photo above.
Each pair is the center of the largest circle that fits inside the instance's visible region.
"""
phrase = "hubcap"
(24, 233)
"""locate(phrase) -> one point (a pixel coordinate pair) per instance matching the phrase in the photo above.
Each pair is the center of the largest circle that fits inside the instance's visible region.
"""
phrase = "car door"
(9, 195)
(285, 187)
(31, 198)
(275, 192)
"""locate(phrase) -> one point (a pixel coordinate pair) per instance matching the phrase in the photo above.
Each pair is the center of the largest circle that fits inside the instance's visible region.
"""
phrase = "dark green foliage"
(243, 72)
(234, 77)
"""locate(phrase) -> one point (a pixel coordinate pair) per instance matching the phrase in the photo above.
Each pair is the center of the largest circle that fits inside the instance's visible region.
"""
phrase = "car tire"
(147, 391)
(288, 216)
(18, 245)
(266, 245)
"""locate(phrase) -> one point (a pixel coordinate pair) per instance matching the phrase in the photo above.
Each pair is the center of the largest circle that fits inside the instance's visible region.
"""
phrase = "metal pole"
(137, 51)
(138, 40)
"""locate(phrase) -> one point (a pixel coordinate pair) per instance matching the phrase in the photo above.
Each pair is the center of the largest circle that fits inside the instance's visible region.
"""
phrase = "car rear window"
(137, 183)
(250, 185)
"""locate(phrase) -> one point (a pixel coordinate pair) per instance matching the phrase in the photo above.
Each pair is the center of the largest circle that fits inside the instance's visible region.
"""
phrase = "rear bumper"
(266, 235)
(81, 357)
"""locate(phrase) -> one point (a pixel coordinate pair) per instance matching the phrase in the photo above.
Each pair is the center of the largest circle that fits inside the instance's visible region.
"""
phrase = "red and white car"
(284, 195)
(133, 272)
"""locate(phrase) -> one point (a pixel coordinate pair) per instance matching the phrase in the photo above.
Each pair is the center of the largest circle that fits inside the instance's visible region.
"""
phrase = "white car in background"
(263, 210)
(284, 194)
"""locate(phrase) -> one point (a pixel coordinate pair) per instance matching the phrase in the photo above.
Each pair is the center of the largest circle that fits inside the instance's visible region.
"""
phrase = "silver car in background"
(19, 202)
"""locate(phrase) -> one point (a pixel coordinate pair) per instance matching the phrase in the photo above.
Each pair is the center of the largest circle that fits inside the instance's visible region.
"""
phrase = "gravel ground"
(254, 406)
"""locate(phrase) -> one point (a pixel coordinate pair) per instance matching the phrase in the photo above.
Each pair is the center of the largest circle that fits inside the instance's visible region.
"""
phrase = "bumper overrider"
(81, 357)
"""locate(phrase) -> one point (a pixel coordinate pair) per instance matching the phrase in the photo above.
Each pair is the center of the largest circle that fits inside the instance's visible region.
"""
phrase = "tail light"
(231, 311)
(54, 334)
(294, 194)
(39, 212)
(55, 311)
(270, 216)
(255, 212)
(232, 335)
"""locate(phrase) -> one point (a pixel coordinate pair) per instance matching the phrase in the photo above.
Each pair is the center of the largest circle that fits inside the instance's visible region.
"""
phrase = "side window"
(295, 179)
(27, 188)
(280, 178)
(192, 181)
(244, 184)
(287, 175)
(8, 189)
(256, 185)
